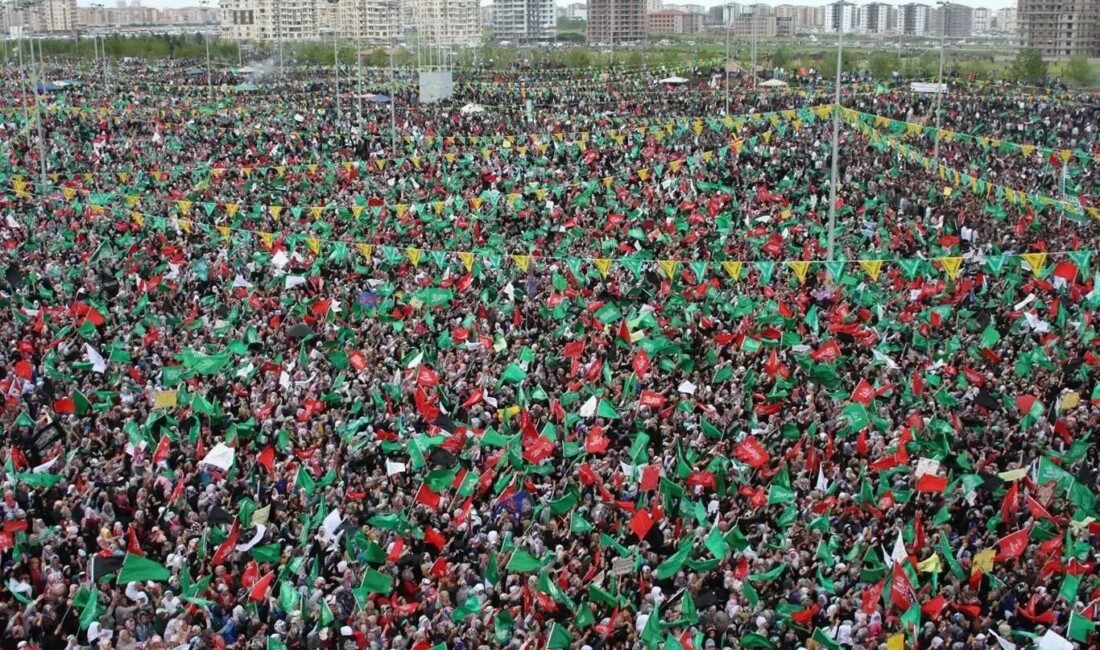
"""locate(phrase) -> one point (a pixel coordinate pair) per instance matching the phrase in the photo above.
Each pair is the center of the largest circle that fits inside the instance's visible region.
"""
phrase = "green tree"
(882, 64)
(1029, 66)
(781, 58)
(578, 58)
(1078, 71)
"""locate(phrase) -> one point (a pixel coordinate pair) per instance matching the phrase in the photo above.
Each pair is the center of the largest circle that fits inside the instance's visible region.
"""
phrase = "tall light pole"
(835, 177)
(279, 36)
(395, 22)
(206, 39)
(729, 24)
(360, 17)
(34, 81)
(755, 8)
(336, 59)
(943, 5)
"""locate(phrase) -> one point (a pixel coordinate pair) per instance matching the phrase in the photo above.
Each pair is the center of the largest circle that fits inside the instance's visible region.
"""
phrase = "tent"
(246, 70)
(376, 98)
(245, 88)
(673, 80)
(470, 109)
(773, 83)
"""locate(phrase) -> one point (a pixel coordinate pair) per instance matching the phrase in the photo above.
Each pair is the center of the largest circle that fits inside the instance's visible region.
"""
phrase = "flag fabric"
(135, 568)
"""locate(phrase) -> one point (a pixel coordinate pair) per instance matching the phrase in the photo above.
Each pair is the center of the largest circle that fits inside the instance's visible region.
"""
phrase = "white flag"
(98, 364)
(220, 456)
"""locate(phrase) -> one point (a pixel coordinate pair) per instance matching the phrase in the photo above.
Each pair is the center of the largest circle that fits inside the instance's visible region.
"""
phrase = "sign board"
(622, 566)
(165, 399)
(927, 87)
(435, 86)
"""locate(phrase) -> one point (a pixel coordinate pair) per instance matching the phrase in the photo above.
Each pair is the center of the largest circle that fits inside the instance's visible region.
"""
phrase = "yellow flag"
(603, 264)
(872, 267)
(275, 210)
(931, 565)
(132, 199)
(733, 269)
(668, 266)
(123, 177)
(1065, 154)
(224, 231)
(184, 205)
(68, 192)
(1027, 150)
(608, 180)
(380, 163)
(415, 161)
(280, 171)
(522, 261)
(267, 238)
(450, 157)
(896, 642)
(768, 136)
(356, 211)
(1035, 261)
(414, 255)
(983, 561)
(708, 156)
(951, 266)
(401, 209)
(467, 260)
(438, 207)
(675, 165)
(247, 171)
(314, 244)
(184, 225)
(138, 218)
(643, 174)
(366, 250)
(476, 203)
(216, 172)
(232, 208)
(799, 267)
(316, 211)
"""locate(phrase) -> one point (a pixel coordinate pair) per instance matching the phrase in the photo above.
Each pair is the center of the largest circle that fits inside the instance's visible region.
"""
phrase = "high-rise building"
(450, 22)
(616, 21)
(654, 5)
(801, 15)
(524, 21)
(914, 19)
(952, 21)
(982, 19)
(42, 16)
(878, 18)
(1004, 21)
(1060, 28)
(670, 21)
(578, 10)
(841, 14)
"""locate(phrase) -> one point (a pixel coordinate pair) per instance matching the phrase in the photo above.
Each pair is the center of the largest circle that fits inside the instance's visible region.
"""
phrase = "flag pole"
(836, 132)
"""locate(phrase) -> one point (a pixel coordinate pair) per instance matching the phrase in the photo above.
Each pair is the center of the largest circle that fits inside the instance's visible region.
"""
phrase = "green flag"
(824, 640)
(559, 637)
(139, 569)
(523, 562)
(376, 582)
(1080, 627)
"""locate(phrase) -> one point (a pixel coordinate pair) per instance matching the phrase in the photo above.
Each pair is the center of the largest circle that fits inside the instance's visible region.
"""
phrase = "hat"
(346, 631)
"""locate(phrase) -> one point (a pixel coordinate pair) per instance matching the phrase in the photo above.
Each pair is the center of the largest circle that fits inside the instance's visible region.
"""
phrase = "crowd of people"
(615, 368)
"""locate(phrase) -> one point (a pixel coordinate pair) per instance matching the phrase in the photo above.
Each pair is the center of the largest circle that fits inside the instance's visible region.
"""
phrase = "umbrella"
(299, 331)
(376, 98)
(673, 80)
(245, 88)
(773, 83)
(470, 109)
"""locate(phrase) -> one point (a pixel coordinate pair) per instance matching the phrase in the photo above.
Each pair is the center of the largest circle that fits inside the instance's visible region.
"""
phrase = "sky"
(992, 4)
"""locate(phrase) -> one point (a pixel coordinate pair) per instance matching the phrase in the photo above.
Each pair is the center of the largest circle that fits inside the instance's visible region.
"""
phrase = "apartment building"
(983, 19)
(450, 22)
(670, 21)
(524, 21)
(802, 16)
(878, 18)
(616, 21)
(1004, 21)
(952, 21)
(1060, 28)
(914, 19)
(840, 15)
(42, 17)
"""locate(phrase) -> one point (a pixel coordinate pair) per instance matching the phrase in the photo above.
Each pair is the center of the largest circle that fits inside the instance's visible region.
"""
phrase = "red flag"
(934, 607)
(262, 586)
(1038, 511)
(267, 458)
(1010, 503)
(640, 524)
(474, 398)
(871, 596)
(972, 611)
(931, 483)
(433, 537)
(624, 332)
(228, 545)
(357, 360)
(251, 573)
(901, 591)
(652, 399)
(396, 550)
(651, 477)
(640, 364)
(132, 545)
(863, 393)
(539, 450)
(426, 377)
(1012, 545)
(751, 452)
(64, 406)
(425, 496)
(164, 446)
(804, 617)
(595, 442)
(573, 349)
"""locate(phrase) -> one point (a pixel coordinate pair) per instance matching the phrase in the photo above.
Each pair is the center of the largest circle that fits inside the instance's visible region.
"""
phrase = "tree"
(1078, 71)
(1029, 66)
(882, 64)
(781, 58)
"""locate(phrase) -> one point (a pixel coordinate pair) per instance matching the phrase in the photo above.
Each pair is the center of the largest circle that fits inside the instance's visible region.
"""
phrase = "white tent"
(773, 83)
(673, 80)
(470, 109)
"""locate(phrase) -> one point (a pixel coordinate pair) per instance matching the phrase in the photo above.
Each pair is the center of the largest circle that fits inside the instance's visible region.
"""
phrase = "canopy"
(246, 70)
(773, 83)
(470, 109)
(673, 80)
(377, 99)
(245, 88)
